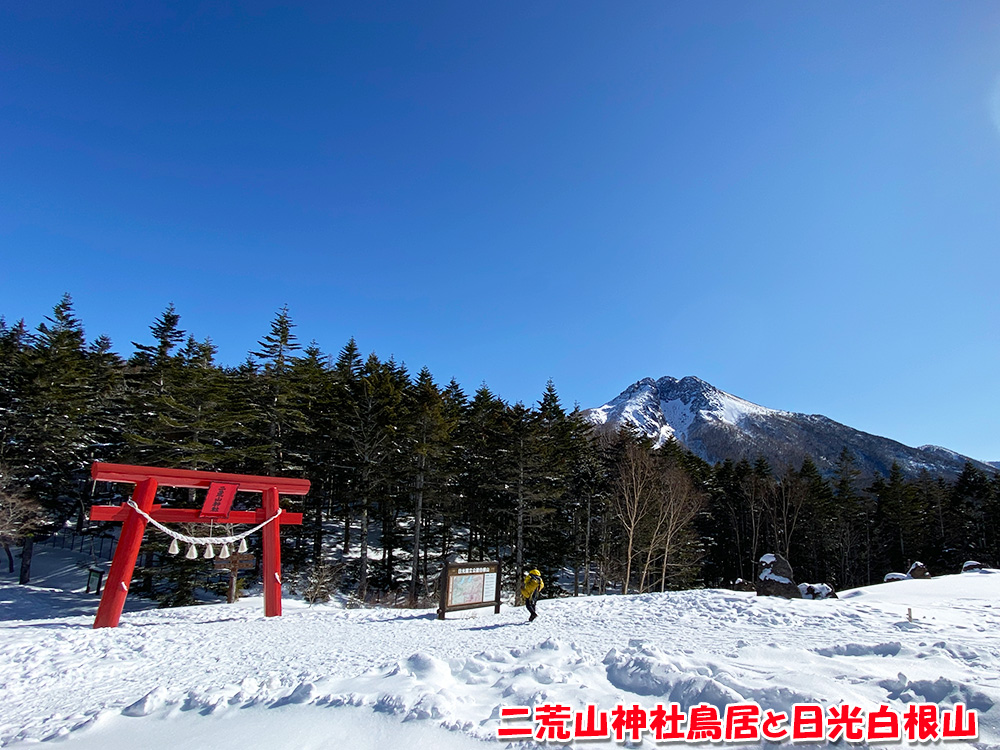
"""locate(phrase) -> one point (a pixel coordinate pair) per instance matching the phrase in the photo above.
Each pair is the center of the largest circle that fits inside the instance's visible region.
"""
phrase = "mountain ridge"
(716, 426)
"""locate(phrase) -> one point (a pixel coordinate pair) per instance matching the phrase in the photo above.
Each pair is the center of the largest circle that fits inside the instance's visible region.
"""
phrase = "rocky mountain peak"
(716, 426)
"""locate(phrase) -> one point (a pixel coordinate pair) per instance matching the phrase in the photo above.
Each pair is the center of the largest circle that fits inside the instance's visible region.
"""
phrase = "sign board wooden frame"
(470, 585)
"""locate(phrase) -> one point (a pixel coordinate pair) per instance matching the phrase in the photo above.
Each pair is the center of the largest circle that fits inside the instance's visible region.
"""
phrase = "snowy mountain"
(716, 425)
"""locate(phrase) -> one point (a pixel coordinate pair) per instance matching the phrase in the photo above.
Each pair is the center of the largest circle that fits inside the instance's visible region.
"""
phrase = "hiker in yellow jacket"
(530, 590)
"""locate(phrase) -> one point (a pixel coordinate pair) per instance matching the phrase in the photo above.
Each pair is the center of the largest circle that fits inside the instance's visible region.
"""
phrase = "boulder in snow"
(774, 578)
(971, 565)
(817, 591)
(917, 570)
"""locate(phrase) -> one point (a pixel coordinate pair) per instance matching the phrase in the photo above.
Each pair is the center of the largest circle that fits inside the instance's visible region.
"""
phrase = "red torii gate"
(146, 480)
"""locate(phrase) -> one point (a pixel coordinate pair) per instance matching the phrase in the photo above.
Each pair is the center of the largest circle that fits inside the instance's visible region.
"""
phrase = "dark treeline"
(407, 472)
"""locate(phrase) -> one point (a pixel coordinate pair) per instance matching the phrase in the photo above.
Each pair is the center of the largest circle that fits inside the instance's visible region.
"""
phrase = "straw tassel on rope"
(208, 541)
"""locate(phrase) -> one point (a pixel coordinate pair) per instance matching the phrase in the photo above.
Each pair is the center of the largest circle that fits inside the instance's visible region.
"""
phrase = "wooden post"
(109, 611)
(233, 565)
(443, 590)
(91, 573)
(271, 548)
(496, 609)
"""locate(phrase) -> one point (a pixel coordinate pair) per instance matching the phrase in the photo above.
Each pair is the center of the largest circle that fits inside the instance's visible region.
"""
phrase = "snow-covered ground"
(223, 676)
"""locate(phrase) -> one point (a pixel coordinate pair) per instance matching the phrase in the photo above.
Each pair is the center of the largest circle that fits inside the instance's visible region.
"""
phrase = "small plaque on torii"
(219, 499)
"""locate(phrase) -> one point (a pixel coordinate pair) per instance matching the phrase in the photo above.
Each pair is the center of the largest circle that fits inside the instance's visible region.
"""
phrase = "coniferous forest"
(408, 471)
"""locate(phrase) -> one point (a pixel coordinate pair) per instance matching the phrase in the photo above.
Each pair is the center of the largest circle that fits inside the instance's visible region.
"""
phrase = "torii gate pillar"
(271, 552)
(109, 611)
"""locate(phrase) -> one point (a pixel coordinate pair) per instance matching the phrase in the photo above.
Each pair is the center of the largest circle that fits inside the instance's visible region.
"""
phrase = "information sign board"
(469, 586)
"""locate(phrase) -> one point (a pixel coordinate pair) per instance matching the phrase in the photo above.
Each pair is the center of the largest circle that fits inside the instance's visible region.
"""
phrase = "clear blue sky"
(797, 202)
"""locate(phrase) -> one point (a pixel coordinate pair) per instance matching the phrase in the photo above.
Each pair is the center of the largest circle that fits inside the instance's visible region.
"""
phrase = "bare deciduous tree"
(635, 494)
(756, 489)
(19, 516)
(682, 501)
(785, 504)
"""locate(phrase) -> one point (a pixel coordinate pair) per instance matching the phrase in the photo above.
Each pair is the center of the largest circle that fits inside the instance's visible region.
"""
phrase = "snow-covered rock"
(817, 591)
(775, 578)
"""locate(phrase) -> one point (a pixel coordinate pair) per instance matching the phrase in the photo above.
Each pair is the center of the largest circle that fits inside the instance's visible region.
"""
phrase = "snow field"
(398, 678)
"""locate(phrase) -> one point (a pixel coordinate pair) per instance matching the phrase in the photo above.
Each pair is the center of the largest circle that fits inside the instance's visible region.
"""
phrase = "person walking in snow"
(530, 590)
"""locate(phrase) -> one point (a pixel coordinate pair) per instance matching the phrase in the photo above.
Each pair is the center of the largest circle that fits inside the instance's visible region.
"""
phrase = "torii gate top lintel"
(188, 478)
(134, 514)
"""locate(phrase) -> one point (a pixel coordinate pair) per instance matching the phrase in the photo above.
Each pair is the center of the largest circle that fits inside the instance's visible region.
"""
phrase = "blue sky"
(797, 202)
